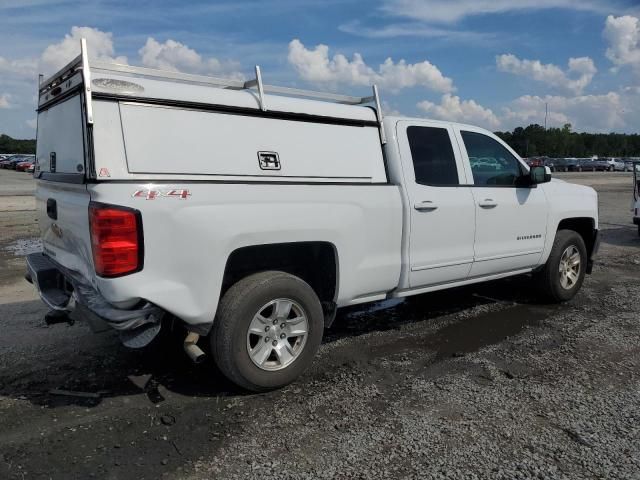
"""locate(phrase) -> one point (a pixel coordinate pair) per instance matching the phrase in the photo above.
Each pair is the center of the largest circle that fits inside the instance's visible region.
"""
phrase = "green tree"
(11, 145)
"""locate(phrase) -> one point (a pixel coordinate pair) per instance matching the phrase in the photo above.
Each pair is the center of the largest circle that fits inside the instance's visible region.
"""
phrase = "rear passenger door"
(442, 214)
(511, 215)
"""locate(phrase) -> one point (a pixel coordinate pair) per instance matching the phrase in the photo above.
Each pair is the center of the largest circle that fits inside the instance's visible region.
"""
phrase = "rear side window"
(433, 160)
(492, 164)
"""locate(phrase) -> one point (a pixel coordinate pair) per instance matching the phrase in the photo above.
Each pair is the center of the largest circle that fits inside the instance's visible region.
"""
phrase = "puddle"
(486, 329)
(24, 247)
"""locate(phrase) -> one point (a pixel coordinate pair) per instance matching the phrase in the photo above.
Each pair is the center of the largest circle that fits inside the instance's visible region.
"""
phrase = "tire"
(611, 169)
(549, 279)
(250, 303)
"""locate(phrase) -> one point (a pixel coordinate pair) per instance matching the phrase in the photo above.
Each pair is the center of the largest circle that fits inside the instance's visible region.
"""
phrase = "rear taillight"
(116, 239)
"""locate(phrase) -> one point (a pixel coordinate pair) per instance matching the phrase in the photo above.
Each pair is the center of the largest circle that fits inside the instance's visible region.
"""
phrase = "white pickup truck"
(249, 213)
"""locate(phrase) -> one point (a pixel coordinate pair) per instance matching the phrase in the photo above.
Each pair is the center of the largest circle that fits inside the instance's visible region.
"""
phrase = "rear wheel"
(564, 272)
(268, 328)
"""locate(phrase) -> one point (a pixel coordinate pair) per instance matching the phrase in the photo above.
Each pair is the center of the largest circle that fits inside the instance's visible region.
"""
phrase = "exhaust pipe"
(193, 351)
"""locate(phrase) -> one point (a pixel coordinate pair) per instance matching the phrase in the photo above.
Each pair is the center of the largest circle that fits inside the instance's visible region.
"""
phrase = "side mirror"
(539, 175)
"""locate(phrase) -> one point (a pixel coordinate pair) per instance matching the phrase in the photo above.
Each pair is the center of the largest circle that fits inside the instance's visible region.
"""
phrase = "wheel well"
(314, 262)
(582, 225)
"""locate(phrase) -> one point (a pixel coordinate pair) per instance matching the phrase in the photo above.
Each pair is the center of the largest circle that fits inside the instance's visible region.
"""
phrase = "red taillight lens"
(116, 240)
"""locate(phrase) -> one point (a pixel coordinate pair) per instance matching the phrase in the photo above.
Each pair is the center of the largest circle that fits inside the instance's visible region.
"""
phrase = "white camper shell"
(250, 213)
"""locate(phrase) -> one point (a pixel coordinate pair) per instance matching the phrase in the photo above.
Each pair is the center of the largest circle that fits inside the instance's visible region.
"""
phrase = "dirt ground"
(477, 382)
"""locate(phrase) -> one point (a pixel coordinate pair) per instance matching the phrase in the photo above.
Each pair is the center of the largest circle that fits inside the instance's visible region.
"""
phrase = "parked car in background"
(571, 164)
(24, 165)
(551, 163)
(628, 165)
(593, 165)
(11, 162)
(535, 161)
(615, 164)
(4, 162)
(18, 159)
(31, 168)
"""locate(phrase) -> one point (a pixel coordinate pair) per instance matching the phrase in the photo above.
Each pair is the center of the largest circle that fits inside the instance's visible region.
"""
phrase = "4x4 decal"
(151, 194)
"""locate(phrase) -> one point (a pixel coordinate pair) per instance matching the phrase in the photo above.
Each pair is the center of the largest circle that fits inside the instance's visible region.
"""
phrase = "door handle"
(488, 203)
(425, 206)
(52, 209)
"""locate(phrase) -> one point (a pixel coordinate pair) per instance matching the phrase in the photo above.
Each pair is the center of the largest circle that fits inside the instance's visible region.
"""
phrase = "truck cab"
(472, 207)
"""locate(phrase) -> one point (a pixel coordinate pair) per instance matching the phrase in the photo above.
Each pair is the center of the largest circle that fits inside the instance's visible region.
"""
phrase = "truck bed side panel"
(187, 241)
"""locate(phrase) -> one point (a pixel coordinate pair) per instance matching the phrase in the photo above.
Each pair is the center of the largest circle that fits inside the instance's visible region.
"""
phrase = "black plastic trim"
(594, 251)
(234, 110)
(236, 182)
(77, 178)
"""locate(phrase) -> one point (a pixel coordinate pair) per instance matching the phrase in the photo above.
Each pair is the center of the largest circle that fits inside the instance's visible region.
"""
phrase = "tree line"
(12, 145)
(534, 141)
(531, 141)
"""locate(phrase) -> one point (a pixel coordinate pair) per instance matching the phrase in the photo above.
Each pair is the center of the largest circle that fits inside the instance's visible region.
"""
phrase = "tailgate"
(63, 216)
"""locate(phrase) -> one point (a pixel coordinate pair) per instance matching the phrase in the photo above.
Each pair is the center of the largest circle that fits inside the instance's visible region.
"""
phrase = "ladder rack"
(81, 64)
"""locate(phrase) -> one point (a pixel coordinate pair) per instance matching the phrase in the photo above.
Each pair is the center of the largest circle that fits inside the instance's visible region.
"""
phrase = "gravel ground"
(478, 382)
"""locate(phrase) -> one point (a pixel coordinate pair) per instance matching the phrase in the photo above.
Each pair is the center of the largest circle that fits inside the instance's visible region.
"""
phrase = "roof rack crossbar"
(231, 83)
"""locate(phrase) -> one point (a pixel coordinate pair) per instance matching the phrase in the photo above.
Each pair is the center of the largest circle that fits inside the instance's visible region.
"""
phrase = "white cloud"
(448, 11)
(415, 29)
(4, 101)
(456, 110)
(315, 66)
(57, 55)
(579, 74)
(623, 36)
(99, 46)
(593, 113)
(33, 123)
(176, 56)
(20, 68)
(390, 110)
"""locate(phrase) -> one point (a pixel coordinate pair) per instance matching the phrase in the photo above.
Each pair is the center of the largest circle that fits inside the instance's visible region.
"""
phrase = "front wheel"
(268, 328)
(564, 272)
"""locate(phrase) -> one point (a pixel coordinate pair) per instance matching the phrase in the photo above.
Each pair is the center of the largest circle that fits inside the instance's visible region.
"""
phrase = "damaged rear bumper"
(63, 291)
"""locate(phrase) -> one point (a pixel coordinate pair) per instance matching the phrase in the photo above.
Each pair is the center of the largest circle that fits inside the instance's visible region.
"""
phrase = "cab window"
(491, 163)
(434, 162)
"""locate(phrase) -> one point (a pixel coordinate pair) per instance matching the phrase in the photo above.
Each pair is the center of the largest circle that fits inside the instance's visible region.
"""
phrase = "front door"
(511, 217)
(442, 213)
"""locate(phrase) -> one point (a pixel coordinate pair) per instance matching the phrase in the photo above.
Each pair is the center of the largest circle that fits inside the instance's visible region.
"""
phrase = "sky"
(491, 63)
